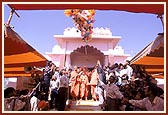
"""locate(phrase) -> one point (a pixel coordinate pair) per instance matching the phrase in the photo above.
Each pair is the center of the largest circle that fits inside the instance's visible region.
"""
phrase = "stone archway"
(86, 56)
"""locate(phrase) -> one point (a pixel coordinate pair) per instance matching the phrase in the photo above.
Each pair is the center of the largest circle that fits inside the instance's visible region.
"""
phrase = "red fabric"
(137, 8)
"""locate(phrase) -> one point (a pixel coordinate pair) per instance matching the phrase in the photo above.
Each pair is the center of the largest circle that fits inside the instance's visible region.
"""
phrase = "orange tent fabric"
(152, 57)
(19, 54)
(137, 8)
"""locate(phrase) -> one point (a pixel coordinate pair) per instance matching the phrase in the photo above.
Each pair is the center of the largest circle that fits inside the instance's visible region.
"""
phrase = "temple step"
(83, 105)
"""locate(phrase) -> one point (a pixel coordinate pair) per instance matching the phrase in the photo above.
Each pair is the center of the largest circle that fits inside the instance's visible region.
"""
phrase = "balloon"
(75, 11)
(83, 20)
(68, 12)
(92, 12)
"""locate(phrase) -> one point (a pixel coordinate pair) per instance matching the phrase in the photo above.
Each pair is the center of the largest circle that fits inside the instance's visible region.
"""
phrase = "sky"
(38, 27)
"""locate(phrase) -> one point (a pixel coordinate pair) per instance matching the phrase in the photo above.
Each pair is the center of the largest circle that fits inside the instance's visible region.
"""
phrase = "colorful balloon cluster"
(83, 20)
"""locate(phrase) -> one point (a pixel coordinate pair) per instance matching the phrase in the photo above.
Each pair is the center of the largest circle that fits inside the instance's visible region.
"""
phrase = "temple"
(71, 50)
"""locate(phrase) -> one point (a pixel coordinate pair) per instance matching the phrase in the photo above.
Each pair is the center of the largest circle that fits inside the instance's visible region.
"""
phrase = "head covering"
(153, 87)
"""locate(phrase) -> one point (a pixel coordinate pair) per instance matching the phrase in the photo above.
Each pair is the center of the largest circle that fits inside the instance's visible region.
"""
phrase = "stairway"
(82, 105)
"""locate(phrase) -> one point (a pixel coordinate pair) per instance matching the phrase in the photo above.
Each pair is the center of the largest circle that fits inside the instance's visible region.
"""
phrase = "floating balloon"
(83, 21)
(68, 12)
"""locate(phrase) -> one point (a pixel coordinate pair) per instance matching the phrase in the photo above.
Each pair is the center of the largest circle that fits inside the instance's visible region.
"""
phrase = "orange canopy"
(19, 54)
(152, 57)
(137, 8)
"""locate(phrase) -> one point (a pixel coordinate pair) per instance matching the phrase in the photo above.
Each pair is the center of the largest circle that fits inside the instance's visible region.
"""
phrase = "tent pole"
(65, 54)
(11, 14)
(161, 18)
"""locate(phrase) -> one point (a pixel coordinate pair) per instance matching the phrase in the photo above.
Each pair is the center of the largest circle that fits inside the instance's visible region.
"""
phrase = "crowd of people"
(117, 87)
